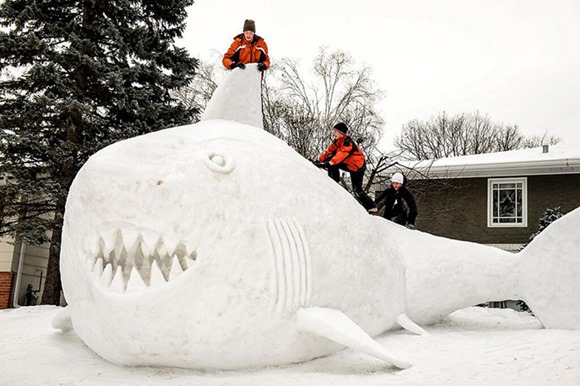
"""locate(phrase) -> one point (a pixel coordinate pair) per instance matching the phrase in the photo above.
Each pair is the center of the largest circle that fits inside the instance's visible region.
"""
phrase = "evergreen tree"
(76, 76)
(549, 216)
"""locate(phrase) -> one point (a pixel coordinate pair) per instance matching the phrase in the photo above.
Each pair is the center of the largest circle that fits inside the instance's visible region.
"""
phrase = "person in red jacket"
(247, 47)
(344, 154)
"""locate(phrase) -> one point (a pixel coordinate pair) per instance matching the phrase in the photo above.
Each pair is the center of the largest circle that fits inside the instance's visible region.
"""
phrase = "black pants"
(357, 179)
(399, 219)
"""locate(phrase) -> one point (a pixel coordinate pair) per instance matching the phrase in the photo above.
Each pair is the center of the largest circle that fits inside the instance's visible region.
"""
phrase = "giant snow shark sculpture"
(216, 245)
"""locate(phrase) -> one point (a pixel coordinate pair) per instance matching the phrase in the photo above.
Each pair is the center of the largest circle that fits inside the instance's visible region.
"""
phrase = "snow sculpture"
(216, 245)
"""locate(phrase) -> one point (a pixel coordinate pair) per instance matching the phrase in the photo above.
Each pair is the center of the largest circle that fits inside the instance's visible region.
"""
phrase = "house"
(494, 199)
(22, 269)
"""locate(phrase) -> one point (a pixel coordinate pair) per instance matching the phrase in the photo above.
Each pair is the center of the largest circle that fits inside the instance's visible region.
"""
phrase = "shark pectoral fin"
(62, 320)
(336, 326)
(404, 321)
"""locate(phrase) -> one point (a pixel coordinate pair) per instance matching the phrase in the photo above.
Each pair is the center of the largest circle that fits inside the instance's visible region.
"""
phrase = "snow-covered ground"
(474, 346)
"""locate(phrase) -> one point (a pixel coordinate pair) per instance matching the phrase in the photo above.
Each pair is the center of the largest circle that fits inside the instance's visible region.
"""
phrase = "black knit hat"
(341, 127)
(249, 25)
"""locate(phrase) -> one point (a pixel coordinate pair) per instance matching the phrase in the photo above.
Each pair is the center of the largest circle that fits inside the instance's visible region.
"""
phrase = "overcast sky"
(518, 61)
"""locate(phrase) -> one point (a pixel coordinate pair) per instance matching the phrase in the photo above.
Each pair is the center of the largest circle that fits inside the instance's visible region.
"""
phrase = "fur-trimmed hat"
(249, 25)
(398, 177)
(341, 127)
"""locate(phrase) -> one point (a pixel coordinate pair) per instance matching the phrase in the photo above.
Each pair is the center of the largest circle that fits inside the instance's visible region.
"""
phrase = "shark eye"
(218, 162)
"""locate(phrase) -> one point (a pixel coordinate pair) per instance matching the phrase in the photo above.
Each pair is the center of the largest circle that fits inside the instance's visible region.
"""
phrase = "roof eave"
(506, 169)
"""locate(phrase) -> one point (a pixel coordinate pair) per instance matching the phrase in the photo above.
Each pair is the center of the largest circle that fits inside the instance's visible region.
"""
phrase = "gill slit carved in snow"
(130, 261)
(290, 263)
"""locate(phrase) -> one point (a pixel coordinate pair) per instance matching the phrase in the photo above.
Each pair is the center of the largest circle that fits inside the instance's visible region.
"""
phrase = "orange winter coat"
(242, 51)
(344, 151)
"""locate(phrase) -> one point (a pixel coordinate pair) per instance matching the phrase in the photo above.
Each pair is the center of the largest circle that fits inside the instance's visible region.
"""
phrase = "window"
(507, 202)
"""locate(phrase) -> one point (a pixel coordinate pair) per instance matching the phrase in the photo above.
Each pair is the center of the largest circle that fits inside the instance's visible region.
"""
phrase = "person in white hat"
(399, 203)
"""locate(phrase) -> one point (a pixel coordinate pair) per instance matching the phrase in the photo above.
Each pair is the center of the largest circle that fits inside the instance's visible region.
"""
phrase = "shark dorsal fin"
(226, 103)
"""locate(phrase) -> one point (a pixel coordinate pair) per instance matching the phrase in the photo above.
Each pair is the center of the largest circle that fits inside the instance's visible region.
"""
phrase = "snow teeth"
(131, 261)
(145, 250)
(108, 242)
(98, 269)
(130, 238)
(94, 246)
(170, 244)
(135, 283)
(118, 283)
(188, 247)
(149, 241)
(156, 278)
(190, 260)
(175, 270)
(107, 275)
(119, 245)
(160, 248)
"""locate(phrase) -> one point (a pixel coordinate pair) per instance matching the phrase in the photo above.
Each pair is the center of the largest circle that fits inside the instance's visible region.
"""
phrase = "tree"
(462, 134)
(75, 77)
(200, 89)
(539, 140)
(302, 113)
(549, 216)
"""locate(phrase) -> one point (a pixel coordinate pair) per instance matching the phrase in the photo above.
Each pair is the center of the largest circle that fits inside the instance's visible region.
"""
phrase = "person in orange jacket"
(344, 154)
(247, 47)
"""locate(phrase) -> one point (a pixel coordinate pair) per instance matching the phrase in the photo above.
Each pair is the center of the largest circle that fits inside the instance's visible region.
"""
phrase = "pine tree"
(548, 217)
(76, 76)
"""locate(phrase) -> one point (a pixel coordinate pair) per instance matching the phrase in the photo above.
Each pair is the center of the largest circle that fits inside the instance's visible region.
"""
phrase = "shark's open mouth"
(129, 261)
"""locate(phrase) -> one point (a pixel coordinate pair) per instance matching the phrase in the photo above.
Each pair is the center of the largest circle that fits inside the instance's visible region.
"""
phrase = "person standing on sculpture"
(247, 47)
(344, 154)
(400, 206)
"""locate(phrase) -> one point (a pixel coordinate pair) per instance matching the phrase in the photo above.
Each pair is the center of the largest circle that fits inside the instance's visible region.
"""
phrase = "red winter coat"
(242, 51)
(344, 150)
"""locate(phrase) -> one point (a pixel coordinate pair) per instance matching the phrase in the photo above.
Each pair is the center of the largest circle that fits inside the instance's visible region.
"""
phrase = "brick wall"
(458, 208)
(5, 289)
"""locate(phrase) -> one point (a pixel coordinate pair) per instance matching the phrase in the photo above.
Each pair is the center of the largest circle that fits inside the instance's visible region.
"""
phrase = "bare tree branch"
(462, 134)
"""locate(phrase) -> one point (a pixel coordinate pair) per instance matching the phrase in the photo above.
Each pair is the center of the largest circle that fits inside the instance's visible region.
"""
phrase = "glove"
(322, 165)
(262, 67)
(240, 65)
(411, 227)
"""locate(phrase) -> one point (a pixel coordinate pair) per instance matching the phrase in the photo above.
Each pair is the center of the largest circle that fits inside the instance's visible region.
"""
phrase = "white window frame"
(524, 192)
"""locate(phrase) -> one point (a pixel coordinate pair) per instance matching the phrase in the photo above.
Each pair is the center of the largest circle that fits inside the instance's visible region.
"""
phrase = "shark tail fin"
(550, 267)
(404, 321)
(336, 326)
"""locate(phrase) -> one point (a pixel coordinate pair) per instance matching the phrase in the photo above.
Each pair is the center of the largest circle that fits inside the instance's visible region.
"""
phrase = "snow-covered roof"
(554, 159)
